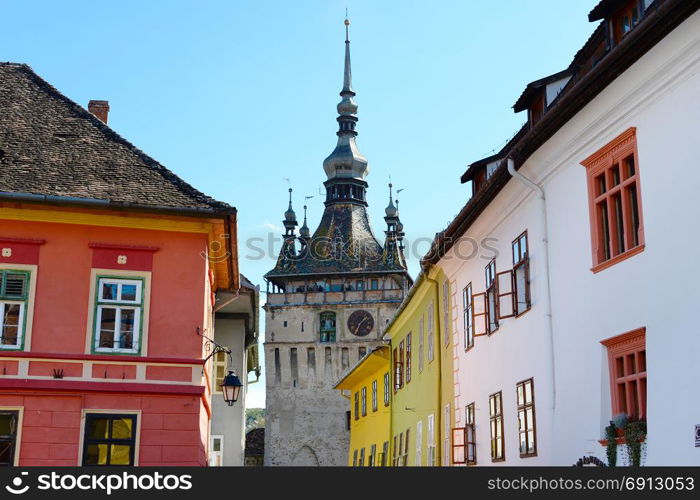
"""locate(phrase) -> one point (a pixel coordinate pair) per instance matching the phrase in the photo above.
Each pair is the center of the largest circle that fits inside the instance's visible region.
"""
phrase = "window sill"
(618, 258)
(618, 440)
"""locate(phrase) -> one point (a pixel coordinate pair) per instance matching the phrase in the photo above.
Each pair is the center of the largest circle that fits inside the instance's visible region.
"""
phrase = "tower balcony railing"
(348, 296)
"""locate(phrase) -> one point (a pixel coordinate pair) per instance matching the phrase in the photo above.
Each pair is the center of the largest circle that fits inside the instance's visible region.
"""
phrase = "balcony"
(395, 295)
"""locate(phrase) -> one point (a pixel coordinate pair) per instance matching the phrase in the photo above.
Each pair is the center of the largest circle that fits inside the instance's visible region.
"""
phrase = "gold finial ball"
(347, 22)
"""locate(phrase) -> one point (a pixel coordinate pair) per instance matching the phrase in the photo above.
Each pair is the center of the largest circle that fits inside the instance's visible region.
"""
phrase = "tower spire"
(346, 161)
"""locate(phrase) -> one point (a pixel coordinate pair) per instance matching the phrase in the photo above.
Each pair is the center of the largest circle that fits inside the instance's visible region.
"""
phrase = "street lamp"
(231, 388)
(231, 385)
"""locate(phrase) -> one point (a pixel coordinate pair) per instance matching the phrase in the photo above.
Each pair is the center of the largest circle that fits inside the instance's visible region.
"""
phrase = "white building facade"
(601, 184)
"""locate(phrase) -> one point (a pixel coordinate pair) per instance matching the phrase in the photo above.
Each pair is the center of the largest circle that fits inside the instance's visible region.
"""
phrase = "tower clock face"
(360, 323)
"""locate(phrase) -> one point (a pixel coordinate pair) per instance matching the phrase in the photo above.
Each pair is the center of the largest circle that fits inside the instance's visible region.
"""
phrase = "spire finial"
(347, 76)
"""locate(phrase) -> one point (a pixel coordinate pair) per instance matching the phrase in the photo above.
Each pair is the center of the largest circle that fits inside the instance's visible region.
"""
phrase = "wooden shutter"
(459, 441)
(505, 291)
(479, 314)
(470, 438)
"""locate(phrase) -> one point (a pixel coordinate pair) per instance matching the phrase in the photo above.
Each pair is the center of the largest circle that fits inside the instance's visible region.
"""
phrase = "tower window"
(327, 327)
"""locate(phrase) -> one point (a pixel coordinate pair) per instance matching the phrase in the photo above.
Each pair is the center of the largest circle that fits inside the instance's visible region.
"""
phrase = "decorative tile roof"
(343, 243)
(52, 149)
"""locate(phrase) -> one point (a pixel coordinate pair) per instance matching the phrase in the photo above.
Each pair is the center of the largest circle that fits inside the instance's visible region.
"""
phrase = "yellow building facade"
(422, 373)
(368, 386)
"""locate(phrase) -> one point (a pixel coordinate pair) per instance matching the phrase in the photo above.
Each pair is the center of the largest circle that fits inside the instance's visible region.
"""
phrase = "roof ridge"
(179, 183)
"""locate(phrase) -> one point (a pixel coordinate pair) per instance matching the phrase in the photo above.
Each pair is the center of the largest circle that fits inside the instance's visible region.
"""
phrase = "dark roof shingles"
(51, 146)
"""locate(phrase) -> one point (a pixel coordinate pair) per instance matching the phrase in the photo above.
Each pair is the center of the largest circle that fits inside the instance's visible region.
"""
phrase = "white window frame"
(431, 440)
(421, 341)
(446, 310)
(136, 305)
(431, 331)
(375, 401)
(216, 388)
(448, 427)
(23, 304)
(419, 443)
(214, 455)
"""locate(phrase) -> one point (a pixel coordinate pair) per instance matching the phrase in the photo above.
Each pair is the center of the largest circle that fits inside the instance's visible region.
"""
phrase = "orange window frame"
(628, 373)
(613, 192)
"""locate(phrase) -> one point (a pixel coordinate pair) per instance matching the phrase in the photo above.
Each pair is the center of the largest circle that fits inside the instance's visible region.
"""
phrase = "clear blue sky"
(236, 96)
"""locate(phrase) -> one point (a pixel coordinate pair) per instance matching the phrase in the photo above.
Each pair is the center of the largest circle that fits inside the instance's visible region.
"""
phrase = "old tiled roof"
(343, 243)
(52, 149)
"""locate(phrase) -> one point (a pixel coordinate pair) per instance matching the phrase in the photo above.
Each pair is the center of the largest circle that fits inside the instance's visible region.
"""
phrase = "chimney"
(100, 109)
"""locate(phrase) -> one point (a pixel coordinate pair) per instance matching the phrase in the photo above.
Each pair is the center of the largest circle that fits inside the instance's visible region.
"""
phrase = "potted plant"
(620, 422)
(635, 434)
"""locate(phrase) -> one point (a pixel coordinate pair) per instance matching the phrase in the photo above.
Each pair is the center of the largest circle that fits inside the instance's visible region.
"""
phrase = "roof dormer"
(620, 16)
(540, 94)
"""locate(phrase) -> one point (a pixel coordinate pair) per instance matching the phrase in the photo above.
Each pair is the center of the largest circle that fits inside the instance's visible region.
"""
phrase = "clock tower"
(329, 298)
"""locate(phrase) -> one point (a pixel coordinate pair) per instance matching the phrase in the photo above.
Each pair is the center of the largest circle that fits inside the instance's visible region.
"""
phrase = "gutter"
(438, 350)
(547, 281)
(108, 204)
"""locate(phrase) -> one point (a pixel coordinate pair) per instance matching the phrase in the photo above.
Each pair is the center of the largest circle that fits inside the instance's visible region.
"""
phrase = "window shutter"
(470, 437)
(505, 289)
(459, 440)
(479, 314)
(14, 286)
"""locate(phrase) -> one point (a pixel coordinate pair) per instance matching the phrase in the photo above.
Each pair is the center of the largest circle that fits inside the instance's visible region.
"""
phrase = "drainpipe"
(438, 355)
(548, 291)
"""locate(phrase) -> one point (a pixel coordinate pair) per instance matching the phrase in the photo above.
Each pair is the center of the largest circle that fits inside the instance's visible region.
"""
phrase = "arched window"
(327, 326)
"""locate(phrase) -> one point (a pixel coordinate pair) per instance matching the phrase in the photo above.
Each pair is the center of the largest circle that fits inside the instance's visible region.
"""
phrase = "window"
(431, 340)
(9, 425)
(463, 440)
(627, 361)
(327, 327)
(526, 418)
(394, 458)
(359, 285)
(521, 274)
(363, 398)
(118, 315)
(361, 352)
(446, 445)
(625, 19)
(537, 110)
(470, 433)
(419, 442)
(374, 284)
(408, 357)
(372, 454)
(357, 405)
(496, 420)
(491, 297)
(468, 320)
(14, 294)
(285, 324)
(385, 454)
(614, 201)
(361, 462)
(216, 451)
(421, 348)
(398, 367)
(431, 441)
(387, 392)
(399, 458)
(446, 310)
(354, 458)
(374, 395)
(219, 369)
(404, 460)
(109, 439)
